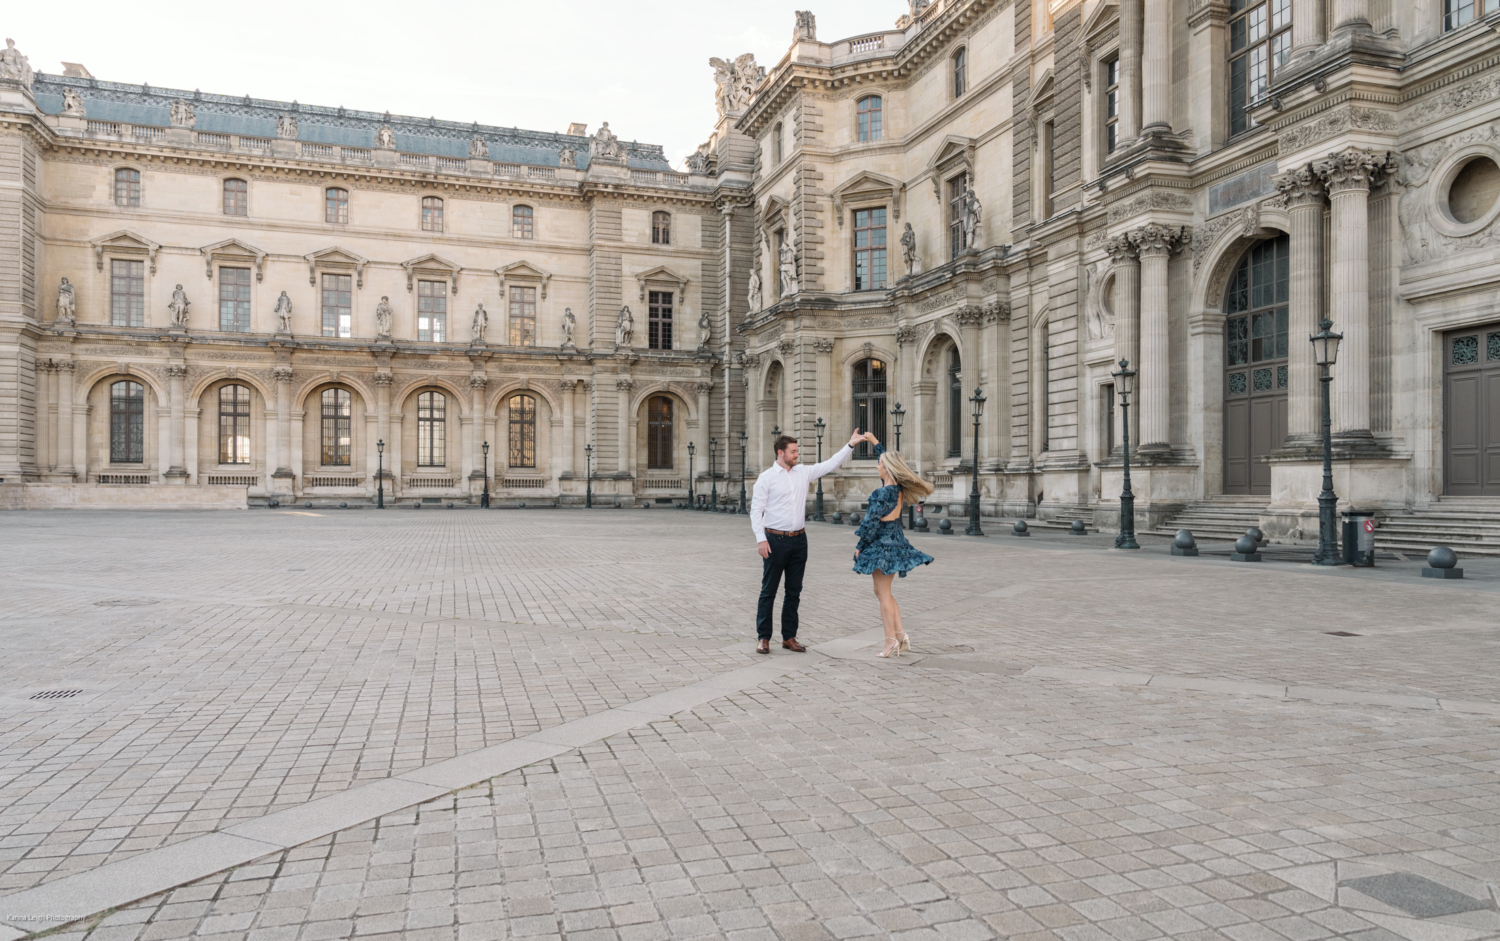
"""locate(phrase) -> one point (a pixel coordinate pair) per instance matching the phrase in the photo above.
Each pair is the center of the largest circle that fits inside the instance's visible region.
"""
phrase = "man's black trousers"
(789, 556)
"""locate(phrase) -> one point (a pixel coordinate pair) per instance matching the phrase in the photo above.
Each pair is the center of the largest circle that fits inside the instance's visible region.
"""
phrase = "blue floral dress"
(882, 545)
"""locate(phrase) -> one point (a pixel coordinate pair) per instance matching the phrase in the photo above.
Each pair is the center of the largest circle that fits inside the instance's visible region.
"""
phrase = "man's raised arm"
(834, 463)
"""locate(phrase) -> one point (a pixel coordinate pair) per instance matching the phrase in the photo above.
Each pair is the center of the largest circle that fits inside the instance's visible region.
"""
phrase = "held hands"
(856, 438)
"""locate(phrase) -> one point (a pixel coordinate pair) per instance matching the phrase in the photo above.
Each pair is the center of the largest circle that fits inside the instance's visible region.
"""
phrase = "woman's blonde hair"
(913, 488)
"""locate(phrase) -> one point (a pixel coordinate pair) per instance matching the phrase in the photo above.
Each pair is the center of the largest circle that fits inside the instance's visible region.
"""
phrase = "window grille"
(337, 429)
(127, 422)
(868, 116)
(432, 424)
(869, 249)
(522, 430)
(236, 198)
(869, 403)
(234, 424)
(127, 187)
(338, 305)
(234, 299)
(432, 311)
(659, 320)
(522, 316)
(659, 432)
(127, 293)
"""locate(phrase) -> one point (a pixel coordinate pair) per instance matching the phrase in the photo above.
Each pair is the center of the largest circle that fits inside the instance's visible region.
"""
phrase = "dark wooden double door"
(1471, 412)
(1255, 367)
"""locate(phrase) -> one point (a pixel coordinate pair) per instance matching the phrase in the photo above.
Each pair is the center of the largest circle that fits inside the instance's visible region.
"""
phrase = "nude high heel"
(894, 647)
(904, 641)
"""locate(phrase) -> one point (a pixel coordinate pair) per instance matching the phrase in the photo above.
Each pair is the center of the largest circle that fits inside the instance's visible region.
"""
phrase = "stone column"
(1303, 192)
(1348, 176)
(623, 386)
(566, 392)
(1127, 267)
(1156, 68)
(1155, 245)
(477, 433)
(1307, 29)
(1350, 15)
(64, 374)
(1130, 71)
(705, 387)
(177, 431)
(283, 377)
(971, 366)
(383, 382)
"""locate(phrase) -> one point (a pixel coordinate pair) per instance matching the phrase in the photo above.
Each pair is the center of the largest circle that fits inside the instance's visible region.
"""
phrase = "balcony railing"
(421, 161)
(523, 483)
(355, 154)
(144, 133)
(452, 165)
(123, 478)
(868, 44)
(430, 483)
(332, 482)
(318, 151)
(221, 141)
(262, 144)
(541, 173)
(663, 483)
(232, 480)
(104, 127)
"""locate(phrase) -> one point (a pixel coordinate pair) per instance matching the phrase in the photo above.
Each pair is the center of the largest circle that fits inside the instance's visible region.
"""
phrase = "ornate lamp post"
(380, 474)
(1325, 354)
(898, 415)
(484, 498)
(820, 426)
(713, 474)
(588, 492)
(977, 400)
(1125, 384)
(692, 499)
(743, 508)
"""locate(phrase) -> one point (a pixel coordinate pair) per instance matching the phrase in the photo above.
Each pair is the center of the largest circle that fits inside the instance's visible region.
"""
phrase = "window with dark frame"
(955, 406)
(869, 403)
(127, 293)
(522, 316)
(960, 72)
(335, 205)
(868, 115)
(236, 198)
(432, 214)
(1111, 104)
(234, 300)
(432, 311)
(1458, 13)
(1045, 390)
(234, 424)
(659, 320)
(659, 432)
(522, 430)
(1256, 325)
(1049, 177)
(1260, 43)
(127, 423)
(337, 427)
(869, 249)
(522, 223)
(1108, 411)
(338, 305)
(432, 429)
(958, 239)
(661, 228)
(777, 147)
(127, 187)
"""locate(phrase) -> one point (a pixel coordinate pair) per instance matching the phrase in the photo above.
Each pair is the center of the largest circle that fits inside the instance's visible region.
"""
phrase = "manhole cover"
(124, 603)
(55, 694)
(1416, 895)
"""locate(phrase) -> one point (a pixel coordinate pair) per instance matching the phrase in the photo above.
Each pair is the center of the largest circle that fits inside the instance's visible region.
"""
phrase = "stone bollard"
(945, 527)
(1079, 528)
(307, 505)
(342, 505)
(855, 518)
(1245, 550)
(838, 518)
(450, 504)
(1020, 529)
(1184, 543)
(1254, 533)
(1442, 563)
(521, 505)
(921, 522)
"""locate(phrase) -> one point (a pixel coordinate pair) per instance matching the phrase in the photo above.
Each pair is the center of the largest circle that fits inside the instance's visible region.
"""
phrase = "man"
(778, 514)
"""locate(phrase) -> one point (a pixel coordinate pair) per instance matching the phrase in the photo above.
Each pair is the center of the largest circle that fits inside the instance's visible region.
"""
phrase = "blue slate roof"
(256, 117)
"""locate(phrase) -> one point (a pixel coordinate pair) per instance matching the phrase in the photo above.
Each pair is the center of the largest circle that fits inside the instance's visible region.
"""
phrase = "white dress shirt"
(780, 500)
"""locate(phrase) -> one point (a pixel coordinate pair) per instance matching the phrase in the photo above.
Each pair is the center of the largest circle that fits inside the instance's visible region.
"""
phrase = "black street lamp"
(692, 500)
(820, 426)
(1325, 354)
(588, 487)
(743, 508)
(484, 498)
(977, 400)
(713, 474)
(380, 474)
(1125, 384)
(898, 415)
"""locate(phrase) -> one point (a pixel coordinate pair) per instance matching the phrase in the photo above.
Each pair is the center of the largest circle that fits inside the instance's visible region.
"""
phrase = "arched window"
(127, 422)
(127, 187)
(522, 223)
(960, 72)
(432, 214)
(335, 204)
(1260, 43)
(661, 228)
(1256, 365)
(234, 425)
(337, 428)
(867, 113)
(432, 425)
(869, 402)
(659, 432)
(236, 198)
(955, 406)
(777, 150)
(522, 422)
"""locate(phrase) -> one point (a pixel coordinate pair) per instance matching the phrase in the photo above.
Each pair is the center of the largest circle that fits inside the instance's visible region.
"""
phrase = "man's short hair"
(783, 441)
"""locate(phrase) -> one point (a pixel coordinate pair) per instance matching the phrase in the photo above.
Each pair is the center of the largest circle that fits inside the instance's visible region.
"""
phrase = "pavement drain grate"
(1342, 634)
(1416, 895)
(55, 694)
(124, 603)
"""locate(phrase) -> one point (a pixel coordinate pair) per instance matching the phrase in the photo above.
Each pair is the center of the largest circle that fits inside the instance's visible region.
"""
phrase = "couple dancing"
(777, 515)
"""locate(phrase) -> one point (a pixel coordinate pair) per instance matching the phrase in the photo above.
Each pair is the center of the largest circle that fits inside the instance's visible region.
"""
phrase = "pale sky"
(641, 65)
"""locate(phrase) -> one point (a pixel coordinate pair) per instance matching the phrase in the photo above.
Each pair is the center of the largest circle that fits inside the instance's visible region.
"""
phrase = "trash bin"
(1359, 538)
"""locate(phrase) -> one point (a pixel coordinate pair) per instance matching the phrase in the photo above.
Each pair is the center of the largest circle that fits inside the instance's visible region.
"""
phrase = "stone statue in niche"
(909, 251)
(286, 126)
(284, 312)
(757, 300)
(787, 269)
(567, 158)
(383, 317)
(183, 113)
(179, 307)
(67, 307)
(605, 146)
(569, 324)
(705, 330)
(973, 221)
(479, 326)
(478, 149)
(1100, 318)
(73, 104)
(624, 327)
(385, 138)
(14, 66)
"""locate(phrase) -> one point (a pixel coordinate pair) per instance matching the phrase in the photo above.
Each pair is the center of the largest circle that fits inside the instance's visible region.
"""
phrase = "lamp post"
(819, 426)
(484, 497)
(1125, 384)
(977, 400)
(692, 499)
(898, 415)
(588, 491)
(743, 508)
(380, 474)
(1325, 354)
(713, 474)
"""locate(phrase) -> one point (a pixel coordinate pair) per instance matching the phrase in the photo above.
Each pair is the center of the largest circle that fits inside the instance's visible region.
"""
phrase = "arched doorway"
(1255, 366)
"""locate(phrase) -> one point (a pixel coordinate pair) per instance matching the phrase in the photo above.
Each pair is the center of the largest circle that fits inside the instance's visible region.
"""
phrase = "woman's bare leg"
(890, 615)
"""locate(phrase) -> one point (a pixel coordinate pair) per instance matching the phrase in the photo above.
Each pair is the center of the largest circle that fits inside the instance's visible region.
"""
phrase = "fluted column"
(1156, 68)
(1307, 28)
(1304, 195)
(176, 430)
(1348, 176)
(477, 434)
(566, 391)
(1351, 14)
(283, 377)
(1127, 267)
(1130, 70)
(705, 387)
(64, 370)
(383, 415)
(624, 442)
(970, 363)
(1155, 245)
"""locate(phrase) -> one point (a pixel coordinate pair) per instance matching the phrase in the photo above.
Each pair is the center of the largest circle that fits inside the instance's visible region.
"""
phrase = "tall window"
(869, 249)
(1260, 42)
(432, 311)
(522, 223)
(236, 198)
(522, 410)
(338, 305)
(522, 316)
(659, 320)
(955, 407)
(335, 204)
(432, 424)
(661, 228)
(337, 427)
(1046, 388)
(1257, 324)
(127, 187)
(127, 423)
(778, 149)
(127, 293)
(869, 402)
(1458, 13)
(1111, 105)
(234, 425)
(1049, 174)
(867, 114)
(659, 432)
(1108, 411)
(432, 214)
(960, 72)
(234, 299)
(958, 239)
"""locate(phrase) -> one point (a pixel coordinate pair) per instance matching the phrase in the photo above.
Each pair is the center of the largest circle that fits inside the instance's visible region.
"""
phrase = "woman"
(883, 551)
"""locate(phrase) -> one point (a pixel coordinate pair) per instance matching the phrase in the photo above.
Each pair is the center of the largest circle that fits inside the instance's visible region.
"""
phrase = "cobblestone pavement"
(1086, 746)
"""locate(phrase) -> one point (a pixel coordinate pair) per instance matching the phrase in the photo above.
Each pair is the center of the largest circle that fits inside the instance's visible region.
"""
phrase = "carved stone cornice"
(1300, 187)
(1354, 170)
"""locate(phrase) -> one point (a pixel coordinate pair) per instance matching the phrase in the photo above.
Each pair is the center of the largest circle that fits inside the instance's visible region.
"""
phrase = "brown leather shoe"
(763, 646)
(792, 643)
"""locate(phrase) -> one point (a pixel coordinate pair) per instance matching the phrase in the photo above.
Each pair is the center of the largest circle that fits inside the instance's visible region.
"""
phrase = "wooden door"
(1471, 412)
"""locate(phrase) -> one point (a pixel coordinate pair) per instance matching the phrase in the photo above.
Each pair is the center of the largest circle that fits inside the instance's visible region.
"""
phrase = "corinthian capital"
(1156, 239)
(383, 379)
(478, 382)
(1300, 187)
(1354, 170)
(281, 373)
(969, 316)
(175, 370)
(1120, 249)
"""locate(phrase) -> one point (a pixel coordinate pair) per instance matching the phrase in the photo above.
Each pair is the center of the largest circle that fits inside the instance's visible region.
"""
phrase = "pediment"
(660, 274)
(233, 250)
(124, 242)
(868, 185)
(1041, 92)
(953, 147)
(775, 206)
(432, 264)
(336, 258)
(524, 271)
(1104, 16)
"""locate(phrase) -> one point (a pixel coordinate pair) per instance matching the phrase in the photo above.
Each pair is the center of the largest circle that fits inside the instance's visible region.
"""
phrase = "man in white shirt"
(778, 515)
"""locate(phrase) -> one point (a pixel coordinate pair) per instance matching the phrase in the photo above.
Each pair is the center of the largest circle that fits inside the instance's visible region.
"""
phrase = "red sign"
(1369, 526)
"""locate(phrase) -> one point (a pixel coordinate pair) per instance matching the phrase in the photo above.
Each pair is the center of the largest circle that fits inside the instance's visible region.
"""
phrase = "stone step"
(1420, 548)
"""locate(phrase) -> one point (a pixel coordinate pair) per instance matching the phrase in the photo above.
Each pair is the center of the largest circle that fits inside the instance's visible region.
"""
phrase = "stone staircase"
(1219, 518)
(1469, 526)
